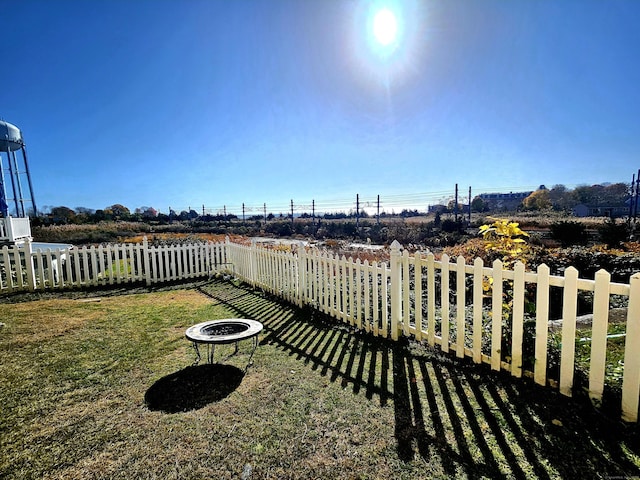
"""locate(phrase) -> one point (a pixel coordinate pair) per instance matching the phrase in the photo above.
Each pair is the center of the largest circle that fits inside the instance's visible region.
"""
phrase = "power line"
(416, 200)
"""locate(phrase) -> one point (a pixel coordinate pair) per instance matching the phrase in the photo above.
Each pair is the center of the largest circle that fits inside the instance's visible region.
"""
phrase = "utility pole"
(635, 213)
(265, 213)
(469, 205)
(632, 200)
(224, 209)
(455, 206)
(243, 212)
(635, 210)
(313, 213)
(203, 209)
(378, 214)
(291, 212)
(357, 212)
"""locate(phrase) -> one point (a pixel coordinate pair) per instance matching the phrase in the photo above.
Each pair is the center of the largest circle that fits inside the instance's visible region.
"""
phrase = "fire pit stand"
(219, 332)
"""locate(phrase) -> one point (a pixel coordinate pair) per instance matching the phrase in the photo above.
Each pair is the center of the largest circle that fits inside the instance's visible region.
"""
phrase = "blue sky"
(179, 104)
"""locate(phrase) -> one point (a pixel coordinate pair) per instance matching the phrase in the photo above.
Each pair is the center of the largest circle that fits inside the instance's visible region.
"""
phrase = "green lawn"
(104, 388)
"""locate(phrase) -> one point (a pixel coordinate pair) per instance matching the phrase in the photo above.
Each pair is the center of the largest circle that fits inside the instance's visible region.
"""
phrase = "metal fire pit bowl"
(219, 332)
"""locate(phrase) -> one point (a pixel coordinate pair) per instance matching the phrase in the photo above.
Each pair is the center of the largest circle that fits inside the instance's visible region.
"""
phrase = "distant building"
(613, 211)
(437, 208)
(504, 201)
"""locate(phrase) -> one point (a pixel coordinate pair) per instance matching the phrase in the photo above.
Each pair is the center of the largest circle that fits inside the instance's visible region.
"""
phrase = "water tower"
(13, 170)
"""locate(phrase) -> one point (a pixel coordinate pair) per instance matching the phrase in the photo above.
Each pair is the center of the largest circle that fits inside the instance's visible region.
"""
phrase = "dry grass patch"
(321, 401)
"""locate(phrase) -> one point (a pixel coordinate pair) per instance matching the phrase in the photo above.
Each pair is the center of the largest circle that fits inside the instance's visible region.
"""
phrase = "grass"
(87, 384)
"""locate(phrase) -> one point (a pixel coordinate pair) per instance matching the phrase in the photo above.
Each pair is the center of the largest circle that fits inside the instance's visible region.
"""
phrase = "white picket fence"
(416, 295)
(443, 302)
(23, 269)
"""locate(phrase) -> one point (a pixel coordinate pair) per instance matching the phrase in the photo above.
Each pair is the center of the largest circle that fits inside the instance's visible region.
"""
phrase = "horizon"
(179, 104)
(395, 206)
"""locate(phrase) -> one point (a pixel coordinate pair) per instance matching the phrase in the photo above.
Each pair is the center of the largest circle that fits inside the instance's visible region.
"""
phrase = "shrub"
(506, 239)
(282, 229)
(569, 233)
(451, 226)
(613, 234)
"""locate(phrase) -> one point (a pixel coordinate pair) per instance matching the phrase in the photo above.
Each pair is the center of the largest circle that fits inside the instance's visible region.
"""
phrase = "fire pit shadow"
(193, 387)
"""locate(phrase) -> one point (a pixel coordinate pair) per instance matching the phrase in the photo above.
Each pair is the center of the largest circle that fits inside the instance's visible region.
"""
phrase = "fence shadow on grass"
(473, 421)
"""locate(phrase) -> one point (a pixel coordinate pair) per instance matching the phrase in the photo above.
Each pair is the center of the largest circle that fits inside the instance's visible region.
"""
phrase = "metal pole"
(4, 206)
(378, 214)
(635, 212)
(265, 213)
(20, 195)
(357, 212)
(469, 205)
(13, 182)
(313, 213)
(632, 199)
(242, 212)
(26, 166)
(455, 205)
(291, 211)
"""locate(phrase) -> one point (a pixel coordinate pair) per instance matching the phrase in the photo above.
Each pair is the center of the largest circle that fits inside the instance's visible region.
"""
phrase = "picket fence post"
(496, 315)
(302, 275)
(396, 289)
(6, 261)
(253, 262)
(599, 335)
(517, 319)
(28, 261)
(542, 324)
(431, 299)
(569, 316)
(417, 275)
(460, 306)
(406, 290)
(631, 375)
(478, 266)
(227, 257)
(147, 263)
(18, 266)
(444, 303)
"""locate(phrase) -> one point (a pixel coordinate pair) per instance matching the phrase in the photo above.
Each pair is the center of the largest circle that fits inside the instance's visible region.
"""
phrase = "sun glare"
(386, 38)
(385, 26)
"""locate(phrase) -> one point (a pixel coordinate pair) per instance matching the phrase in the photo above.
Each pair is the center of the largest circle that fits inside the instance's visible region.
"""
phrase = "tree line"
(557, 198)
(118, 212)
(560, 198)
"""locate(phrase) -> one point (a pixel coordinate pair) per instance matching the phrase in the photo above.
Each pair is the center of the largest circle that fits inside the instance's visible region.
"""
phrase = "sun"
(385, 30)
(385, 27)
(387, 36)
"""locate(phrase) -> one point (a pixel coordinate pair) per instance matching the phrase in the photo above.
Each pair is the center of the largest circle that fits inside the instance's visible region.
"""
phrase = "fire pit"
(219, 332)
